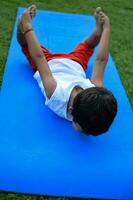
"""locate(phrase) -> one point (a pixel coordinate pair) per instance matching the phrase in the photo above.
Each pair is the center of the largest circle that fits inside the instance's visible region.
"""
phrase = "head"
(94, 110)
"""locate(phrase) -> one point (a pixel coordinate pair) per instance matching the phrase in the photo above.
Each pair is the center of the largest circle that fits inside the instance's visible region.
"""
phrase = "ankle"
(98, 31)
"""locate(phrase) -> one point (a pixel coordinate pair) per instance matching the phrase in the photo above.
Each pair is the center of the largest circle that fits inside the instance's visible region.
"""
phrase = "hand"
(104, 19)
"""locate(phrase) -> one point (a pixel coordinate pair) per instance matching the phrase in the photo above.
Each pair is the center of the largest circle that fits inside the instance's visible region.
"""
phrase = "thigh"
(46, 52)
(82, 54)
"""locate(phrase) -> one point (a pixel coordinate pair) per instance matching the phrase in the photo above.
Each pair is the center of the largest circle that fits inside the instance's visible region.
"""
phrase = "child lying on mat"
(62, 79)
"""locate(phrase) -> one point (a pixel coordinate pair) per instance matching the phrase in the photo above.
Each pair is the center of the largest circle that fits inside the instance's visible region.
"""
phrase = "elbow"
(37, 56)
(102, 59)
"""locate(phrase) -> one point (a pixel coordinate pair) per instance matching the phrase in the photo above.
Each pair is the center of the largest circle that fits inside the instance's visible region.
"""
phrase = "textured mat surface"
(40, 153)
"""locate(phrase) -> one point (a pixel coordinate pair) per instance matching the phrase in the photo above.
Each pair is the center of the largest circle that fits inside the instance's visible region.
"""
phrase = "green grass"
(121, 16)
(13, 196)
(121, 45)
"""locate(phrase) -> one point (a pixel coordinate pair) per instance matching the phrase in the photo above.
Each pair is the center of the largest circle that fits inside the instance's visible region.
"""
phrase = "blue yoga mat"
(40, 153)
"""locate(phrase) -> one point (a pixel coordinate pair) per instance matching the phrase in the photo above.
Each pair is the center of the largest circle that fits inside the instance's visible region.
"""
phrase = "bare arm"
(20, 36)
(37, 55)
(102, 55)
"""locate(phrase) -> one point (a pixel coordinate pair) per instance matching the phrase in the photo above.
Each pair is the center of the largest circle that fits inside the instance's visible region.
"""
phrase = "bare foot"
(32, 12)
(99, 22)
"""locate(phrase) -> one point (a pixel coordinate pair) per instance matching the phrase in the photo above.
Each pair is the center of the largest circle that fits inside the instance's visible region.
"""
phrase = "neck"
(76, 90)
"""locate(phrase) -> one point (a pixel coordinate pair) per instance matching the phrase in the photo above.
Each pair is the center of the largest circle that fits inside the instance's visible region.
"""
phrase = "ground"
(121, 44)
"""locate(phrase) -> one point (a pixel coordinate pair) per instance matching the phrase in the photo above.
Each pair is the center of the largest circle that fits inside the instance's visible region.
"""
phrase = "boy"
(61, 77)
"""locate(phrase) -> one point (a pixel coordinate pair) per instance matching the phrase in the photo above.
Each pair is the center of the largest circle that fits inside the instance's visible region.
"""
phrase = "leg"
(84, 51)
(94, 39)
(81, 54)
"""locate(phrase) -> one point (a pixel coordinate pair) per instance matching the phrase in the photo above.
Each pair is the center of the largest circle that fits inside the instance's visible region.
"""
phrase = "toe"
(101, 14)
(98, 9)
(33, 7)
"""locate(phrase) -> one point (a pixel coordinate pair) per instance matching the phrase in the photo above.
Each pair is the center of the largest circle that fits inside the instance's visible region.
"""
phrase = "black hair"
(94, 109)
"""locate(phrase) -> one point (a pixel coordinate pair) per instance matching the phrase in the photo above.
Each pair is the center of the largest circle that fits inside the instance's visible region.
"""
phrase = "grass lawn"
(121, 45)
